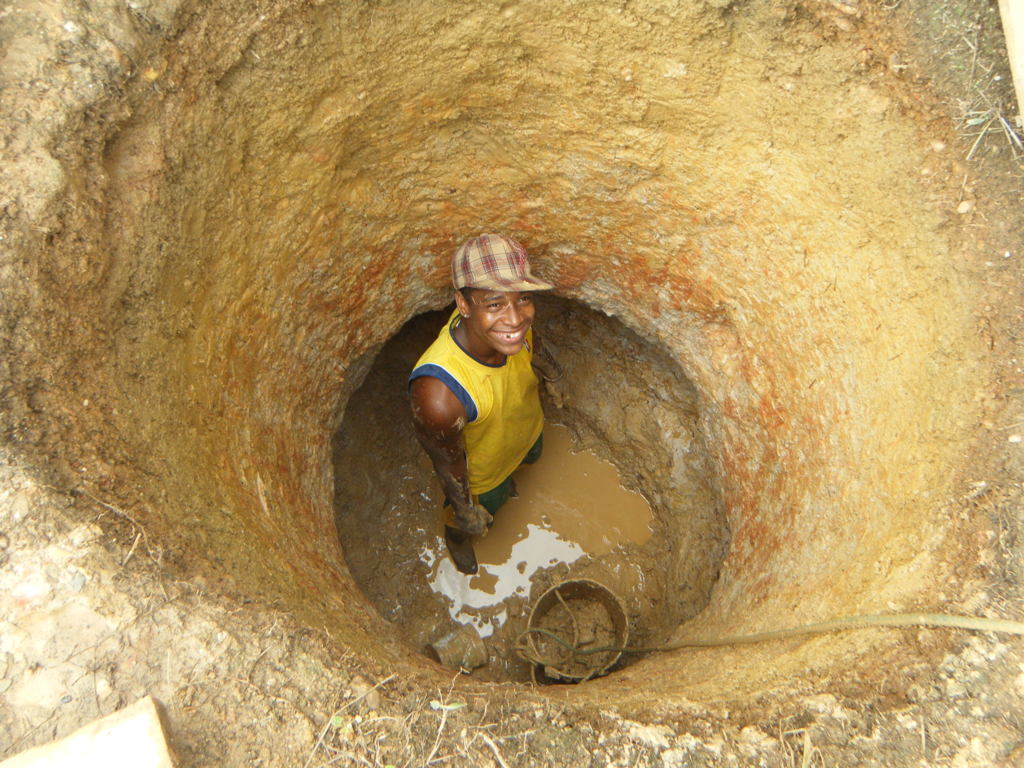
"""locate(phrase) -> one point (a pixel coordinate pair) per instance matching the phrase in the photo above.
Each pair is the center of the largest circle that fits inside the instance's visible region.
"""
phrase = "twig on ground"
(330, 719)
(252, 667)
(981, 135)
(1014, 139)
(131, 551)
(11, 749)
(809, 750)
(437, 738)
(924, 738)
(494, 748)
(520, 735)
(139, 528)
(445, 708)
(319, 740)
(430, 758)
(974, 51)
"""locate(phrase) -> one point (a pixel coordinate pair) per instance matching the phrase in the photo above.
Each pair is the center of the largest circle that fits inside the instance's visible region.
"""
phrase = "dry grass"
(973, 53)
(436, 730)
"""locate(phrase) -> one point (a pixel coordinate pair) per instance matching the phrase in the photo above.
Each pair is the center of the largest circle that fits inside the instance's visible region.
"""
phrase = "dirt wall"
(217, 214)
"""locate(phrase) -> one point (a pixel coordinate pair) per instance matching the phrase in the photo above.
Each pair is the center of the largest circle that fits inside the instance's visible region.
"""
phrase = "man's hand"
(473, 520)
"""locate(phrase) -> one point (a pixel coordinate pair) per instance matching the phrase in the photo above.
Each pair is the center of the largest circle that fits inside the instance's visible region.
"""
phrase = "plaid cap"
(495, 262)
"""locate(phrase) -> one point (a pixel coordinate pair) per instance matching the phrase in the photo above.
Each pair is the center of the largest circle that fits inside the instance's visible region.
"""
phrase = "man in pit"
(475, 400)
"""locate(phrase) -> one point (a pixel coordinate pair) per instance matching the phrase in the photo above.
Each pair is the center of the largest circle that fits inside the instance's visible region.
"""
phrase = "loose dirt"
(578, 619)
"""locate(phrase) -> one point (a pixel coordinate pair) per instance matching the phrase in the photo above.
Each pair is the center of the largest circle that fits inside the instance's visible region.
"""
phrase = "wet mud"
(576, 631)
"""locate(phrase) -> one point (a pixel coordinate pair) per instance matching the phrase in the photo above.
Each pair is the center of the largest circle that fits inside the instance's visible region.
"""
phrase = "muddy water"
(571, 505)
(575, 495)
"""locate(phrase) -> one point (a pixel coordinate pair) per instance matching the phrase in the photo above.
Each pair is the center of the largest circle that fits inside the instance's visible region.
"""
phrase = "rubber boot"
(460, 550)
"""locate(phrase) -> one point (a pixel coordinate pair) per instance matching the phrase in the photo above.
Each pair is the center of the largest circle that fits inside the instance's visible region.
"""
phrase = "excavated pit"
(232, 230)
(624, 399)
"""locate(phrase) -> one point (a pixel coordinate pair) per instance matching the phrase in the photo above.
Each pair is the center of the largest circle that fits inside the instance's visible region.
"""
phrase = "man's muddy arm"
(439, 419)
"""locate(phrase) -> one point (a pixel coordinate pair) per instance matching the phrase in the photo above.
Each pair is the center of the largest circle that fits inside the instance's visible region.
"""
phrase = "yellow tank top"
(503, 413)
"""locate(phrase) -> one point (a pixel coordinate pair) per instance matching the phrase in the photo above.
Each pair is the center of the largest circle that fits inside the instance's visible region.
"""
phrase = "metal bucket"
(461, 649)
(585, 615)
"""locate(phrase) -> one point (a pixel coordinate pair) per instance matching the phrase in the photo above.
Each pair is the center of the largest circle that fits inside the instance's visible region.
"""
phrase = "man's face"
(498, 319)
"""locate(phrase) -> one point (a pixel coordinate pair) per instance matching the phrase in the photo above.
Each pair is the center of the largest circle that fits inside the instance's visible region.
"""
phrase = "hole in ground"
(829, 329)
(621, 398)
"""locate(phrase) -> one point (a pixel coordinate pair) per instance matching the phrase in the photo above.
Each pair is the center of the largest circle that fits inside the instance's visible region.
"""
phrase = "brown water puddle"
(570, 506)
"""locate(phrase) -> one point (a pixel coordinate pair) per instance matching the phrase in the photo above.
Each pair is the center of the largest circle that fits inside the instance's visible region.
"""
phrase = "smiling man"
(475, 401)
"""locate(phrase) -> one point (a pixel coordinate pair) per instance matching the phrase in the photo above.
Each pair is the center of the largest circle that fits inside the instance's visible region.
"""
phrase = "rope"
(976, 623)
